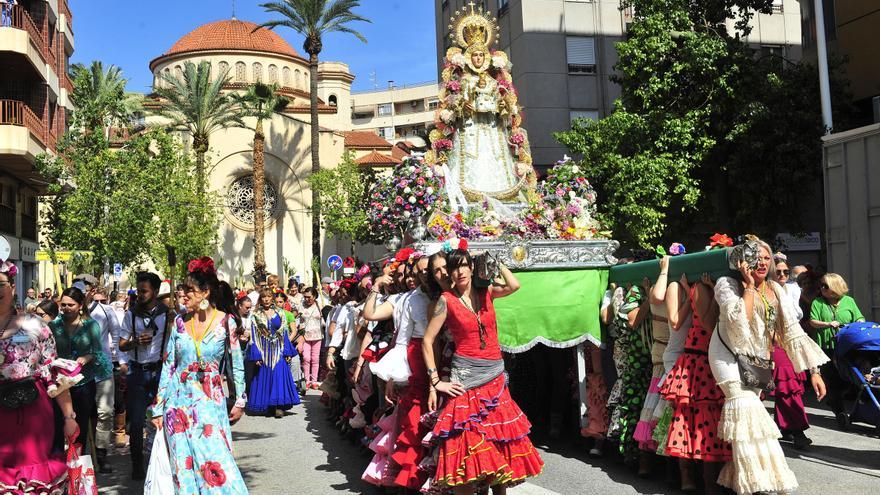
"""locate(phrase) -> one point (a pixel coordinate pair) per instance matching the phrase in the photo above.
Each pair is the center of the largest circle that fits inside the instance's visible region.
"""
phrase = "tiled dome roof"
(232, 34)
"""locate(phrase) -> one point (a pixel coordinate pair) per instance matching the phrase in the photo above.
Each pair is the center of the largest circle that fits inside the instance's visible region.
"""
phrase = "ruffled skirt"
(408, 450)
(789, 408)
(597, 410)
(381, 471)
(696, 403)
(644, 433)
(483, 436)
(27, 464)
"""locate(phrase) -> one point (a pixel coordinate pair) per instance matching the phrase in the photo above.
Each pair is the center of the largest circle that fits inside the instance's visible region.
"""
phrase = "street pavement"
(304, 454)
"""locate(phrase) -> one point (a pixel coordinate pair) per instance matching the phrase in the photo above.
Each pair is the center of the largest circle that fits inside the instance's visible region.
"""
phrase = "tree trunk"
(316, 163)
(259, 201)
(200, 146)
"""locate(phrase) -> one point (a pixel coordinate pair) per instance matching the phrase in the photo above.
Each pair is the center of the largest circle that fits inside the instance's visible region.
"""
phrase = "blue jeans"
(142, 388)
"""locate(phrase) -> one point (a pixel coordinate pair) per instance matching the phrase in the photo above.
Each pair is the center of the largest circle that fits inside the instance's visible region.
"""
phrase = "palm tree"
(313, 19)
(100, 97)
(197, 104)
(260, 101)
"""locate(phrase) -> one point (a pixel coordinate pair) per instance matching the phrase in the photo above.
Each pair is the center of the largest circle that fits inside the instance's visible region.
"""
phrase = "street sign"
(6, 249)
(334, 262)
(117, 271)
(60, 255)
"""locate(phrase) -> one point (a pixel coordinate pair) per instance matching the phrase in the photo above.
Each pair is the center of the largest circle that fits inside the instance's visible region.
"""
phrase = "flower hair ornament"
(718, 241)
(241, 295)
(453, 244)
(9, 269)
(202, 265)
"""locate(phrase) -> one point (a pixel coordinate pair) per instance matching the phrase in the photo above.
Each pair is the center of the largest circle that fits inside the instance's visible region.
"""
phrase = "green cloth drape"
(558, 308)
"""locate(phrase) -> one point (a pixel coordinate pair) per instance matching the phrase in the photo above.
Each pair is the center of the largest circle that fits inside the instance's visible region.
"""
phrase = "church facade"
(251, 54)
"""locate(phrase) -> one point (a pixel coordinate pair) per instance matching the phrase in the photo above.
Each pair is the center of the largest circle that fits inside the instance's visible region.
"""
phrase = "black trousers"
(85, 406)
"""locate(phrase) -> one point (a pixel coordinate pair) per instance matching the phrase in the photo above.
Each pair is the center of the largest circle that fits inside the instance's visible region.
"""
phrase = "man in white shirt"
(101, 312)
(144, 333)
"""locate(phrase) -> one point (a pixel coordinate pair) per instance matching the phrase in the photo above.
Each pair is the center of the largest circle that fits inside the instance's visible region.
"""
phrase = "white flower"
(575, 169)
(429, 190)
(407, 213)
(429, 173)
(407, 190)
(458, 59)
(412, 199)
(499, 62)
(447, 116)
(412, 169)
(384, 209)
(571, 194)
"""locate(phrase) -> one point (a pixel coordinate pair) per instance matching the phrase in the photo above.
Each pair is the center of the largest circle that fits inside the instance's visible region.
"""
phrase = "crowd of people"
(695, 359)
(405, 355)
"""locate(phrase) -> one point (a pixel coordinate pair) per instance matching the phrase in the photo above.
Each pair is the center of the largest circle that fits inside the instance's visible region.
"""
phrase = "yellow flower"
(435, 135)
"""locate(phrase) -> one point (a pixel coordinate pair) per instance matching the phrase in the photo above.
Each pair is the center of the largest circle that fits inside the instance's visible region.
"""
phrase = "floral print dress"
(190, 398)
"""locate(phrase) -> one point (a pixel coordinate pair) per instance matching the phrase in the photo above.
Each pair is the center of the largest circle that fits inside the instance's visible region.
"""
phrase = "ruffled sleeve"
(802, 350)
(732, 319)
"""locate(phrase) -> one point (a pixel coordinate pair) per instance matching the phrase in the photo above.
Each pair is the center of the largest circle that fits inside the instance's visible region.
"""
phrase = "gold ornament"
(473, 27)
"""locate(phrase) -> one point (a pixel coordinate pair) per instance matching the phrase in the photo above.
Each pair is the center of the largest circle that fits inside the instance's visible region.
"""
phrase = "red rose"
(207, 430)
(189, 462)
(177, 421)
(213, 473)
(206, 385)
(183, 376)
(204, 265)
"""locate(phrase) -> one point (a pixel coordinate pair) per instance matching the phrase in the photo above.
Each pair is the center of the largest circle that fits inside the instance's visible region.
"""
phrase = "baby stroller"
(857, 350)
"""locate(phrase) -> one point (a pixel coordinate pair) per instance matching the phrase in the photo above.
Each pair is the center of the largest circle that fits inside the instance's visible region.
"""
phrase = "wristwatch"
(72, 416)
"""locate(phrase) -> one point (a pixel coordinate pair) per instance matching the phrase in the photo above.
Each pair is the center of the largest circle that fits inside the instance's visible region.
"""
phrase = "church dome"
(232, 35)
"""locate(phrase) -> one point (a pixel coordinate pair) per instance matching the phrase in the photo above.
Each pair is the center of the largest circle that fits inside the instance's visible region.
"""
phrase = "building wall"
(534, 35)
(36, 42)
(413, 110)
(289, 72)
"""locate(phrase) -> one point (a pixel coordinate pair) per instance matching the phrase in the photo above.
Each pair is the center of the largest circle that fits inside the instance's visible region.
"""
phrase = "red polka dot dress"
(696, 400)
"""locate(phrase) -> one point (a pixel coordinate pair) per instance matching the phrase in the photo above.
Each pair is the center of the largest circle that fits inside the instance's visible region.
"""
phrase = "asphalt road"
(303, 453)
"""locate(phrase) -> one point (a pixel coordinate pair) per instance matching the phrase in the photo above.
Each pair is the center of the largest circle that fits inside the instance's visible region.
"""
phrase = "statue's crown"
(472, 26)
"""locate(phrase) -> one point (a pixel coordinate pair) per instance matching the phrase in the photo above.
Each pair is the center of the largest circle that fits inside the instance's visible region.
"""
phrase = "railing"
(14, 112)
(16, 16)
(7, 219)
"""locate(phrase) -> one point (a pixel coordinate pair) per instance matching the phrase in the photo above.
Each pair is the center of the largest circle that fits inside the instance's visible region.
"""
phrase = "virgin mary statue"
(478, 143)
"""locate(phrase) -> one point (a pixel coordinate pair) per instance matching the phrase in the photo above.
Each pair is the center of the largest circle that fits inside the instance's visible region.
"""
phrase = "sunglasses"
(41, 314)
(825, 286)
(784, 272)
(99, 300)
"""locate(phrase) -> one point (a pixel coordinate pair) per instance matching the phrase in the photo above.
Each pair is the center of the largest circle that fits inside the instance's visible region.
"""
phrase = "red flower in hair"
(403, 254)
(720, 240)
(204, 265)
(463, 244)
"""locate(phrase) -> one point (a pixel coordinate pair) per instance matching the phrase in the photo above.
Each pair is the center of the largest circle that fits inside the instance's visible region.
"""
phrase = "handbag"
(485, 269)
(17, 394)
(158, 480)
(80, 473)
(754, 372)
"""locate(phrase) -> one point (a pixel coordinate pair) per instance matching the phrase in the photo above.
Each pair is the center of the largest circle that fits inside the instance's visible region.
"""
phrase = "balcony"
(16, 113)
(32, 44)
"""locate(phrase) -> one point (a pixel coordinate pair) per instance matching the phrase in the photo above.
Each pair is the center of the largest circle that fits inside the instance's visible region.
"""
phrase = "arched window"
(167, 73)
(332, 100)
(285, 77)
(178, 72)
(258, 72)
(223, 69)
(298, 79)
(273, 74)
(240, 72)
(306, 81)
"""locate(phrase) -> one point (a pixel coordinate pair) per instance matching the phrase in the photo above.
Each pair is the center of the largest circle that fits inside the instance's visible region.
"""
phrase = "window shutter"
(581, 50)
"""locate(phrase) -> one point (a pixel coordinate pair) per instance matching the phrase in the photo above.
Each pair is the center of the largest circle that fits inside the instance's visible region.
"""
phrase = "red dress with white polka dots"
(696, 400)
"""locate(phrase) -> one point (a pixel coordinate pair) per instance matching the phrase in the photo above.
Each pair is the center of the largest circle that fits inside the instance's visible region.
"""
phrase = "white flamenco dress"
(480, 164)
(758, 463)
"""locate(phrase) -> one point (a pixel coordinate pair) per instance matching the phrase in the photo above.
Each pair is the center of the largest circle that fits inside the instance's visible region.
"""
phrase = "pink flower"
(398, 200)
(517, 139)
(453, 86)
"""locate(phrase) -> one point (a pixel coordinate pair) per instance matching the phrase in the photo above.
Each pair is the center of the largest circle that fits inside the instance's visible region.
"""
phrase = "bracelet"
(72, 417)
(814, 371)
(751, 289)
(431, 371)
(662, 274)
(435, 382)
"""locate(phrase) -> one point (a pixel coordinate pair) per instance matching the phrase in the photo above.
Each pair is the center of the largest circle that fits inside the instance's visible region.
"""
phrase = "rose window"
(240, 200)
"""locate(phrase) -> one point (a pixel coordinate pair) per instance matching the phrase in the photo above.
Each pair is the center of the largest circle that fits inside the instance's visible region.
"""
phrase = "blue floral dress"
(191, 400)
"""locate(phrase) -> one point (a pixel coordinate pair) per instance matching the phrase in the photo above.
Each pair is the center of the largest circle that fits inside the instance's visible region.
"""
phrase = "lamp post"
(822, 55)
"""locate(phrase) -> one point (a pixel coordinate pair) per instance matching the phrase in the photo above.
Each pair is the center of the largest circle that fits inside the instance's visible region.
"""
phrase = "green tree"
(100, 97)
(196, 103)
(261, 101)
(185, 219)
(314, 19)
(343, 199)
(690, 90)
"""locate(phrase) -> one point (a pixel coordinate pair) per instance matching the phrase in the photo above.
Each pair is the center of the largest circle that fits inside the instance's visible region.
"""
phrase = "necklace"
(198, 341)
(476, 313)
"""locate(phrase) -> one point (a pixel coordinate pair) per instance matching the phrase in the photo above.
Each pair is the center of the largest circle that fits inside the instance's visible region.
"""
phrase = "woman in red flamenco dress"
(482, 433)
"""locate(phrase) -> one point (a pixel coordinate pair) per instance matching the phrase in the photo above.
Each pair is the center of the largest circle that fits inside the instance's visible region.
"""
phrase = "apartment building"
(563, 54)
(36, 41)
(398, 113)
(852, 33)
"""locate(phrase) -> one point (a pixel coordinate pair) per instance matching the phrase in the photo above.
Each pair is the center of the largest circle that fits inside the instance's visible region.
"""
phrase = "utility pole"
(822, 54)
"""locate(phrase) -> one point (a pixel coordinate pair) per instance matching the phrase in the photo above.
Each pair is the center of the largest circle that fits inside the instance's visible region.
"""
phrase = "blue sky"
(129, 33)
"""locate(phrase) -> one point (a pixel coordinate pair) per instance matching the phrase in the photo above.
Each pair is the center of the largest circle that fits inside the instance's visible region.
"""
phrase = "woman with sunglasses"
(788, 408)
(29, 380)
(481, 432)
(830, 311)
